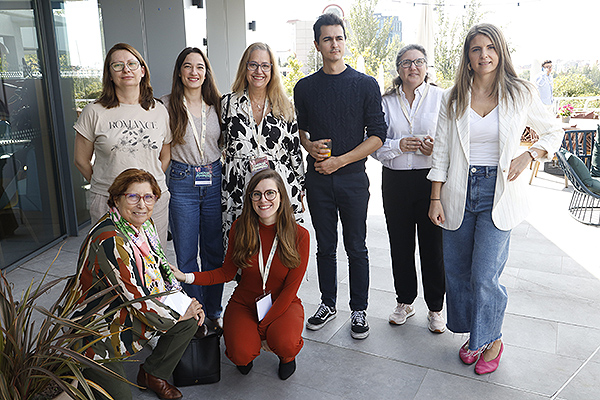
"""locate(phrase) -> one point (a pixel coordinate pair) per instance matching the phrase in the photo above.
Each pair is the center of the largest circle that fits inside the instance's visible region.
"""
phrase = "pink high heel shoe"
(485, 367)
(469, 356)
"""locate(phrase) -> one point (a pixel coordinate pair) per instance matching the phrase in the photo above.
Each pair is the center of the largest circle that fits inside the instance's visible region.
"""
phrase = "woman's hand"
(427, 145)
(410, 143)
(194, 311)
(180, 276)
(436, 212)
(517, 165)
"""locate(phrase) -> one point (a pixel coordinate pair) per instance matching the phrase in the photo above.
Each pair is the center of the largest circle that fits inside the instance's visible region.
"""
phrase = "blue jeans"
(195, 221)
(348, 196)
(474, 257)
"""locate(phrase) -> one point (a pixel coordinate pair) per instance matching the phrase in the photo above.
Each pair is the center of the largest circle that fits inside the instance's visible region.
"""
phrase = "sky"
(536, 29)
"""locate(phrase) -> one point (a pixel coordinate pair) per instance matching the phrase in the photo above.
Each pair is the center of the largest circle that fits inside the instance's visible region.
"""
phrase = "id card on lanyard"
(260, 162)
(203, 173)
(264, 302)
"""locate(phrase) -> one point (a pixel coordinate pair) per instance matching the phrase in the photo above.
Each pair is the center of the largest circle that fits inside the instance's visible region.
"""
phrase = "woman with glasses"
(411, 109)
(122, 259)
(264, 311)
(260, 132)
(125, 128)
(476, 195)
(195, 174)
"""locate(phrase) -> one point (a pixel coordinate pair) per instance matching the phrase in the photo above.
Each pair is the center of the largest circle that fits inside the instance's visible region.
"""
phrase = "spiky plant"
(35, 352)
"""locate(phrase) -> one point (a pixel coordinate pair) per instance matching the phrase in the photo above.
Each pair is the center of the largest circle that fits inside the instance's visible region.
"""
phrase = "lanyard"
(259, 126)
(405, 110)
(265, 269)
(199, 140)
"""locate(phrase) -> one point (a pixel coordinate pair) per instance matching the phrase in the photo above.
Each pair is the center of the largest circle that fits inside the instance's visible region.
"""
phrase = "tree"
(574, 85)
(293, 76)
(449, 39)
(369, 36)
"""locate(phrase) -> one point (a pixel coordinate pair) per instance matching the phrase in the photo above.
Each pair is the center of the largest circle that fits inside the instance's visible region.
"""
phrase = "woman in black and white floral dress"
(260, 132)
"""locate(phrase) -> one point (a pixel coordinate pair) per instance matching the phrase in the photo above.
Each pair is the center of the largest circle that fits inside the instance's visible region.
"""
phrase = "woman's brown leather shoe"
(162, 388)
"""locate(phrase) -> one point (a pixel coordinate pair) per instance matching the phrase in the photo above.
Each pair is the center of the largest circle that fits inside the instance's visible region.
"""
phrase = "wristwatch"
(533, 153)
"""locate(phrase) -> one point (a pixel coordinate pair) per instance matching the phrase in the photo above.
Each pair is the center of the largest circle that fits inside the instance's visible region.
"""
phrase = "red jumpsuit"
(282, 326)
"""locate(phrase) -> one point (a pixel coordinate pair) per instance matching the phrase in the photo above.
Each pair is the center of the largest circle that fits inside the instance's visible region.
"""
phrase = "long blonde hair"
(506, 82)
(281, 105)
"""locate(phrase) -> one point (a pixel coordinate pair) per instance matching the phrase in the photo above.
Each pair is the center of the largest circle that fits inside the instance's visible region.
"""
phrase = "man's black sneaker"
(323, 315)
(360, 326)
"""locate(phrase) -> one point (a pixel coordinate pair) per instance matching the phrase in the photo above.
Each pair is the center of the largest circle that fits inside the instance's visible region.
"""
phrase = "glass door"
(30, 209)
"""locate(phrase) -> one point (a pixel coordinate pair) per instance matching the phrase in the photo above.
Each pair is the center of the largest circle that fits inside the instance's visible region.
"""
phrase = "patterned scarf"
(157, 272)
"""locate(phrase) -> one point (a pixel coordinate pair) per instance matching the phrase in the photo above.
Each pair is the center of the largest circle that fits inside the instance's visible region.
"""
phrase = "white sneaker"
(437, 323)
(401, 313)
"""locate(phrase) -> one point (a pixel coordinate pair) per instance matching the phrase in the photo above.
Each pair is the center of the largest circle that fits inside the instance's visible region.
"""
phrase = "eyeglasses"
(134, 198)
(419, 62)
(269, 195)
(119, 66)
(253, 66)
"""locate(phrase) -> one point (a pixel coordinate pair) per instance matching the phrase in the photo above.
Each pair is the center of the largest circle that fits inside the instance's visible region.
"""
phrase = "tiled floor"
(551, 330)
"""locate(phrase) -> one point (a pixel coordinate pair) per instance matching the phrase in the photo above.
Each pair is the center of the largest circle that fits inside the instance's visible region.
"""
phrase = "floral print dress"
(279, 141)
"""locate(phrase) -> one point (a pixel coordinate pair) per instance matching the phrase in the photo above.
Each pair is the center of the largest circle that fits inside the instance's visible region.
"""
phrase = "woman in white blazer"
(475, 195)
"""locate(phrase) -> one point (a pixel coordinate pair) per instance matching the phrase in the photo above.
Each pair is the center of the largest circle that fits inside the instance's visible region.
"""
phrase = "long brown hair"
(178, 118)
(109, 98)
(506, 81)
(246, 239)
(280, 104)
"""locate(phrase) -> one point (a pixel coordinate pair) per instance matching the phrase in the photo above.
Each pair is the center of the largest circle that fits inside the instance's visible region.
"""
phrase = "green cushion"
(579, 168)
(595, 186)
(596, 156)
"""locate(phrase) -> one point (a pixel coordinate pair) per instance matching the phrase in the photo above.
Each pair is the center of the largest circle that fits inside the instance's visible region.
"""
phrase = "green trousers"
(160, 363)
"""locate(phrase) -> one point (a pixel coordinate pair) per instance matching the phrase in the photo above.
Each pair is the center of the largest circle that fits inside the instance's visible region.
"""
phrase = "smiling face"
(136, 214)
(266, 209)
(259, 79)
(193, 71)
(126, 77)
(412, 76)
(332, 44)
(482, 55)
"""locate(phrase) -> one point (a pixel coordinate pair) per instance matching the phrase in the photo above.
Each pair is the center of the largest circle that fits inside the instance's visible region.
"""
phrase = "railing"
(581, 104)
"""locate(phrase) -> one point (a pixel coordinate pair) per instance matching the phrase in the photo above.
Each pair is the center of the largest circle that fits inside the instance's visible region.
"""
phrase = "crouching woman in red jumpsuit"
(272, 251)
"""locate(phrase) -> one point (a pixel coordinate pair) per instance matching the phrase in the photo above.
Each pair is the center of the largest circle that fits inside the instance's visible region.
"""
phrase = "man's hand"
(328, 166)
(317, 149)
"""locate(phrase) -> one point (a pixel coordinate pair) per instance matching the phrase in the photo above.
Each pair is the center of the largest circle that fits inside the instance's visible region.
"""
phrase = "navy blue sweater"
(340, 107)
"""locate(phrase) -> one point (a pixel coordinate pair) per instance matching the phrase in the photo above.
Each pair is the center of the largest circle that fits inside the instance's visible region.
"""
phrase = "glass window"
(30, 215)
(81, 58)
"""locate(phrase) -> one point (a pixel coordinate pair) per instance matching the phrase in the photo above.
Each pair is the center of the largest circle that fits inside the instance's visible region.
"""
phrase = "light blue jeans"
(195, 218)
(474, 257)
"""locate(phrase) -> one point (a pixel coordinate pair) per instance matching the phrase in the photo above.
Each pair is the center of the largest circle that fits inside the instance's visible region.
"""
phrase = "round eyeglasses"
(134, 198)
(269, 194)
(253, 66)
(119, 66)
(419, 62)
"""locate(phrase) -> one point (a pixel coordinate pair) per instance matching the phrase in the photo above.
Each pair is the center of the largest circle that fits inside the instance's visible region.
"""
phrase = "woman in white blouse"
(476, 196)
(411, 109)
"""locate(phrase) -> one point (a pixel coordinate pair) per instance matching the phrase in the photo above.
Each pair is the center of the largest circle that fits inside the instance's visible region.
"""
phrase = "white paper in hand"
(178, 301)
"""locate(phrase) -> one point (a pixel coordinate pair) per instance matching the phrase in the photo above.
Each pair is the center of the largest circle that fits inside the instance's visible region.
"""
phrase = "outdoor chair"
(585, 203)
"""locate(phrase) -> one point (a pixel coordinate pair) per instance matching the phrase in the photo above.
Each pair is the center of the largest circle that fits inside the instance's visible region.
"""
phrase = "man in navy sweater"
(338, 105)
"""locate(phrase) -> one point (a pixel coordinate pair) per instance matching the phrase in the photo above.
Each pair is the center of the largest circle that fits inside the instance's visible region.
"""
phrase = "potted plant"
(565, 112)
(41, 347)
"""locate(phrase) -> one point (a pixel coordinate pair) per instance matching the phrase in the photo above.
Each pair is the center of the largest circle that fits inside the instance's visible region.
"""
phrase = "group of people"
(449, 161)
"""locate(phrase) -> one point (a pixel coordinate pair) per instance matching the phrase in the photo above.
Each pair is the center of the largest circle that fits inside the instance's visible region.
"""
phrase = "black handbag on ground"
(201, 362)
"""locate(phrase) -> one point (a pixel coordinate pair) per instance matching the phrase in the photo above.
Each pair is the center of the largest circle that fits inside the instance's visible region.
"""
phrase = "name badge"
(203, 175)
(258, 164)
(263, 305)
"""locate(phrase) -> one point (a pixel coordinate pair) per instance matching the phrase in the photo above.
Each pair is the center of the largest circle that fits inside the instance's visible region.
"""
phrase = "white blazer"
(450, 158)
